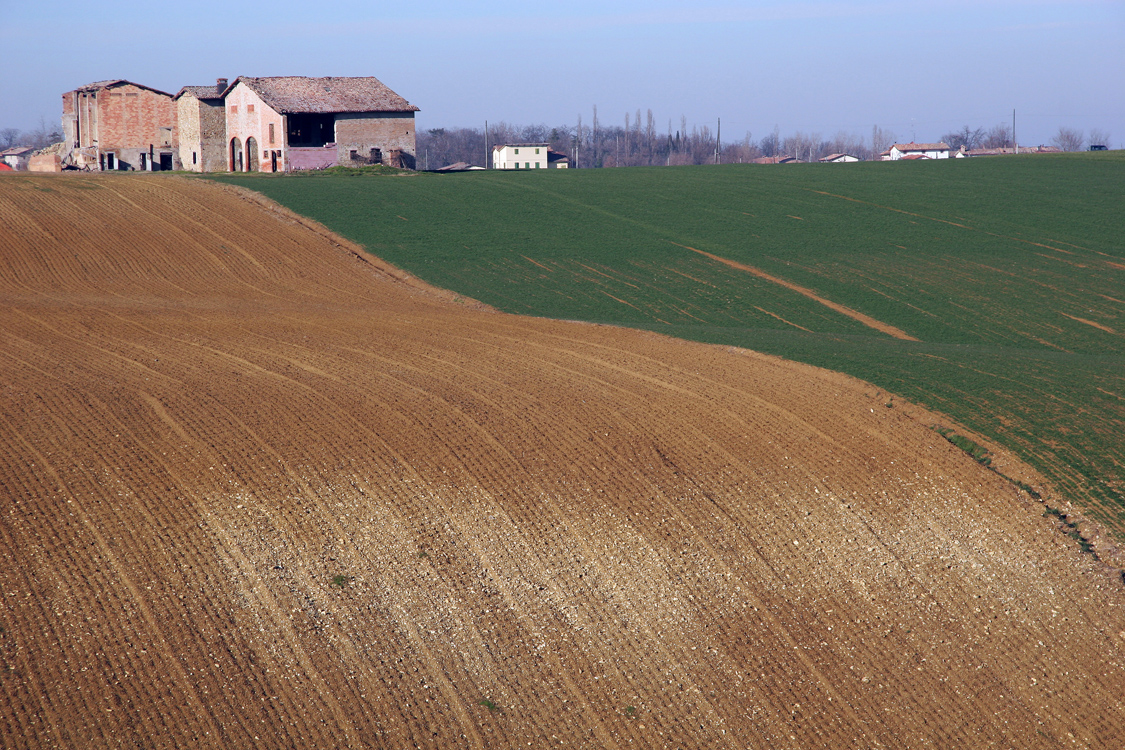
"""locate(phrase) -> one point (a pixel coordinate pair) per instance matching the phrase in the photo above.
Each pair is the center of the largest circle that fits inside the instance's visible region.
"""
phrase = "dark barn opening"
(311, 129)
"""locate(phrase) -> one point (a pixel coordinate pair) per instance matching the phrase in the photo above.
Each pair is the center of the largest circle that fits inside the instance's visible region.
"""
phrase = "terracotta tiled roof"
(16, 151)
(519, 145)
(912, 157)
(921, 146)
(199, 92)
(298, 94)
(99, 85)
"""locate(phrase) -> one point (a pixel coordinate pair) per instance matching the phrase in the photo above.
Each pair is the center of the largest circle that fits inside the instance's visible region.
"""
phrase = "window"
(537, 165)
(250, 109)
(271, 133)
(193, 158)
(537, 152)
(527, 165)
(234, 109)
(517, 150)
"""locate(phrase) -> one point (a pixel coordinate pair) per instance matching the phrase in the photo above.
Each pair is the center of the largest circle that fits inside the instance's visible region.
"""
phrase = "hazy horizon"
(815, 67)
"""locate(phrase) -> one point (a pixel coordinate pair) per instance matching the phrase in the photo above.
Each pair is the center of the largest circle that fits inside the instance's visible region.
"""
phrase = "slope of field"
(992, 290)
(261, 491)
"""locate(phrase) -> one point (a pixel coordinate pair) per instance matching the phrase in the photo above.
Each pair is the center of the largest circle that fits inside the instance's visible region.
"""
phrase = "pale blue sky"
(917, 69)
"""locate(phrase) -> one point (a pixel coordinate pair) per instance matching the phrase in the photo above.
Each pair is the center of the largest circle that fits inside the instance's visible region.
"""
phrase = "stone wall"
(202, 134)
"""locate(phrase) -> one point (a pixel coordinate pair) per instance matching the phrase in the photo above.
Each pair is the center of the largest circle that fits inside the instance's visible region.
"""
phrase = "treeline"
(638, 141)
(40, 137)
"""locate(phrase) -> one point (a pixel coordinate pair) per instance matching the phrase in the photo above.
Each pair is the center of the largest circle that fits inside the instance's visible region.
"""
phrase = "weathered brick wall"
(386, 131)
(136, 124)
(131, 117)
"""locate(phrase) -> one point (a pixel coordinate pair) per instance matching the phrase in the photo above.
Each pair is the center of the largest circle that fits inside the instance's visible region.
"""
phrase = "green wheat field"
(991, 290)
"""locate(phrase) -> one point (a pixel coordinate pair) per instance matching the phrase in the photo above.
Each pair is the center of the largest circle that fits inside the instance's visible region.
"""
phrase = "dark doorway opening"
(144, 163)
(251, 154)
(166, 162)
(273, 161)
(235, 155)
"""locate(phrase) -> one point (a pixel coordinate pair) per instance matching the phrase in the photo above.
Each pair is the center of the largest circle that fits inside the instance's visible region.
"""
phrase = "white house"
(520, 156)
(17, 158)
(928, 150)
(838, 158)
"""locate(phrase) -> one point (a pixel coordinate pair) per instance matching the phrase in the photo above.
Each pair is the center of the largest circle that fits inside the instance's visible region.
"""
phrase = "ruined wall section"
(392, 133)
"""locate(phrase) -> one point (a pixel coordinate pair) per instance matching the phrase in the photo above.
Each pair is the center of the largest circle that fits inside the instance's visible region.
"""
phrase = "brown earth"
(261, 491)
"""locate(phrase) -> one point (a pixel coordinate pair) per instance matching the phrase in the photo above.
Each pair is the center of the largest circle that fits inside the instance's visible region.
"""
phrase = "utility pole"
(719, 140)
(487, 161)
(1014, 141)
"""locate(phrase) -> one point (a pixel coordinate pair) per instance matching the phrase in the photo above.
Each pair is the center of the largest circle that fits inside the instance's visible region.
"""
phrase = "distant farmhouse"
(779, 159)
(253, 124)
(17, 158)
(917, 151)
(839, 158)
(528, 156)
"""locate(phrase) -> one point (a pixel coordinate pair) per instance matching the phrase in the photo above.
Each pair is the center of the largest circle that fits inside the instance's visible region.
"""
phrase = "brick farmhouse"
(119, 125)
(253, 124)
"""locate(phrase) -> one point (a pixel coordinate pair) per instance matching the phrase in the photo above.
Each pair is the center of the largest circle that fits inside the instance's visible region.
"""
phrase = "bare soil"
(261, 490)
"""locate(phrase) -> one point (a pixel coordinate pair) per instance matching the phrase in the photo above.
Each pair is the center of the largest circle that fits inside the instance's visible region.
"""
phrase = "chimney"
(220, 85)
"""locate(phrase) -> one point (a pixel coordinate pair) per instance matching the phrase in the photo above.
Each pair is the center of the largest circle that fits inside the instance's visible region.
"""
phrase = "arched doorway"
(235, 155)
(251, 154)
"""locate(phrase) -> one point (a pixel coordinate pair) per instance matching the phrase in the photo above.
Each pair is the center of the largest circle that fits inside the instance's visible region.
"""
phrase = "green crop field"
(992, 290)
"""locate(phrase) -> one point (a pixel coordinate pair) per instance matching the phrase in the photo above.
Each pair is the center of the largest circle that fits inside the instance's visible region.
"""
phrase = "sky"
(918, 70)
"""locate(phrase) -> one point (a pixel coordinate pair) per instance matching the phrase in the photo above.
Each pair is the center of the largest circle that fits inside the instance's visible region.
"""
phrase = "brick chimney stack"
(220, 85)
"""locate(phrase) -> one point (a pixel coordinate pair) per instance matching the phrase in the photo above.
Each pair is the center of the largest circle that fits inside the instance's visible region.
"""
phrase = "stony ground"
(261, 490)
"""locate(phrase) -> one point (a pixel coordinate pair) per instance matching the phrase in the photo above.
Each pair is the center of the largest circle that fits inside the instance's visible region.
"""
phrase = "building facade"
(928, 150)
(520, 156)
(119, 125)
(201, 127)
(286, 123)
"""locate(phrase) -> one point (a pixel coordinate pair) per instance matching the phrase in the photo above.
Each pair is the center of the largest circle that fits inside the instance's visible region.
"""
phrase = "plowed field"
(261, 491)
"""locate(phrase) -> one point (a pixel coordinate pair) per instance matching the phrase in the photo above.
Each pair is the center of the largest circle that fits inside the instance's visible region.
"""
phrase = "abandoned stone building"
(294, 122)
(119, 124)
(201, 126)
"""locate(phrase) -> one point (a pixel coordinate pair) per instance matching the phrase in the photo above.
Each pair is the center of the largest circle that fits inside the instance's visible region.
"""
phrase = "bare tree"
(1068, 139)
(964, 138)
(1099, 137)
(998, 136)
(881, 140)
(771, 144)
(9, 137)
(43, 135)
(804, 147)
